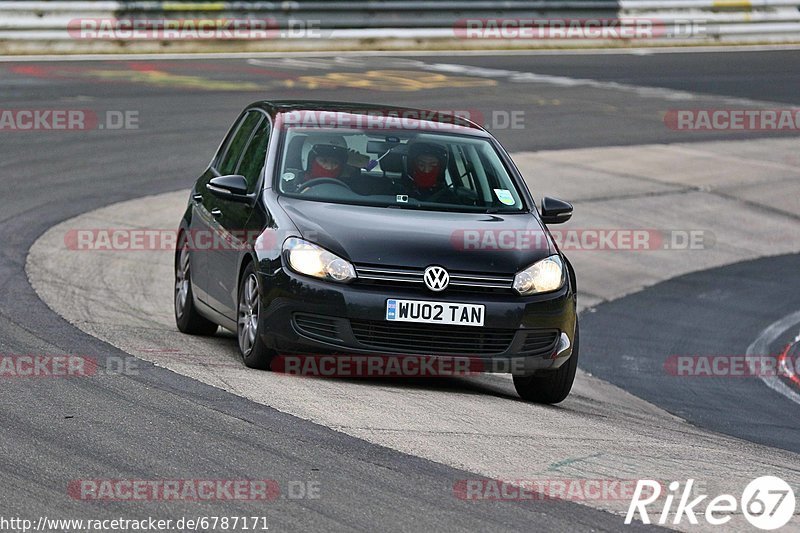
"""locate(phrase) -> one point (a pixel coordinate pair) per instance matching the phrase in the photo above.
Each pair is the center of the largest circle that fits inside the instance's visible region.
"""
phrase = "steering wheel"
(438, 194)
(319, 181)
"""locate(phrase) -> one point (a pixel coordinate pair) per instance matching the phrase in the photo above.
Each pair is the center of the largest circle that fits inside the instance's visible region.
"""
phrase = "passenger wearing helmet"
(427, 163)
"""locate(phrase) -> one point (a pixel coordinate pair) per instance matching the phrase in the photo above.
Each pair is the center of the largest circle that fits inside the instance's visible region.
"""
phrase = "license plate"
(435, 312)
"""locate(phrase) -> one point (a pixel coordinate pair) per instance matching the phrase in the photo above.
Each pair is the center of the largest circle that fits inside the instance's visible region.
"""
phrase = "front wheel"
(248, 324)
(551, 386)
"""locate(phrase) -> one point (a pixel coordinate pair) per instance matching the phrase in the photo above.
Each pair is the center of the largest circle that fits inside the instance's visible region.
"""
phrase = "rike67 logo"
(767, 502)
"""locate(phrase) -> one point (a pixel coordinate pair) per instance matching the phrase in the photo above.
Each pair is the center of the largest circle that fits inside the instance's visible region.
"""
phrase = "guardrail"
(51, 25)
(724, 20)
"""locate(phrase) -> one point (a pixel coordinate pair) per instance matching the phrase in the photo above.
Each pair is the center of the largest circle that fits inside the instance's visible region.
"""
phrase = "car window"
(397, 168)
(227, 165)
(253, 161)
(223, 148)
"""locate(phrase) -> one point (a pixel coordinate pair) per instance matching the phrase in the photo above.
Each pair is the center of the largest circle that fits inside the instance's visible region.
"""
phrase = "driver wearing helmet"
(426, 167)
(326, 161)
(330, 157)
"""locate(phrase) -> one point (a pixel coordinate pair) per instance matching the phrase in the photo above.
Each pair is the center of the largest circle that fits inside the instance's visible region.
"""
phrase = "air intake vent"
(432, 339)
(540, 341)
(318, 327)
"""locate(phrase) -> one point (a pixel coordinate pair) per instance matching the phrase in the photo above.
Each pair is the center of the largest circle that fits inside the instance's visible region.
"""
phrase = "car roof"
(278, 107)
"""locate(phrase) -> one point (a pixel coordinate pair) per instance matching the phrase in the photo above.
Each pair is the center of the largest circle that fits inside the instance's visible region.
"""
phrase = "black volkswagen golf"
(334, 228)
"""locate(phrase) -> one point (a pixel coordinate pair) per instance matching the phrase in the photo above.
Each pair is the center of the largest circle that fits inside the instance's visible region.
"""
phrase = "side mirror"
(555, 211)
(232, 188)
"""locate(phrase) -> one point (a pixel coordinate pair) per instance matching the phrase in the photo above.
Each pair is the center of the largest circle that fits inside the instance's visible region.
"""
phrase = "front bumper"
(523, 335)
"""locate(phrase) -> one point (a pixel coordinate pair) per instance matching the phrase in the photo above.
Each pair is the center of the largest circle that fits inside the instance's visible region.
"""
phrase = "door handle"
(216, 212)
(197, 197)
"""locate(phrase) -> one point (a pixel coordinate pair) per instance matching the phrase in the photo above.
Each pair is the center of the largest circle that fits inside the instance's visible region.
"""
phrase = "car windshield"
(396, 168)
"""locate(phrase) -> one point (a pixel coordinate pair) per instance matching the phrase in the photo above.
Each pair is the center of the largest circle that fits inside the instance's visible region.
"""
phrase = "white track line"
(762, 345)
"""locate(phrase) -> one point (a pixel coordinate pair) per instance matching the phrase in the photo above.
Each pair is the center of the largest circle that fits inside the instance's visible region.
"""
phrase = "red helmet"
(326, 161)
(426, 164)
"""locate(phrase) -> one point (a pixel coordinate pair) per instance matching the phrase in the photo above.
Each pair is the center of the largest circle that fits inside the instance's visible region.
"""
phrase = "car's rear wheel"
(187, 318)
(248, 324)
(551, 386)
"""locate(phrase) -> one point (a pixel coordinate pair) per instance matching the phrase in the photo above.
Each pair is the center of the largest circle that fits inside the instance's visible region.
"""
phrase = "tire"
(187, 318)
(552, 386)
(248, 322)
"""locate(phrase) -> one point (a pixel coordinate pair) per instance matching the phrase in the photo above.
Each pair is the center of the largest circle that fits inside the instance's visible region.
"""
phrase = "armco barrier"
(43, 26)
(725, 20)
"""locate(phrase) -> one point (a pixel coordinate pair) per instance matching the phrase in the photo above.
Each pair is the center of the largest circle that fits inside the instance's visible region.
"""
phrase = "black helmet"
(328, 150)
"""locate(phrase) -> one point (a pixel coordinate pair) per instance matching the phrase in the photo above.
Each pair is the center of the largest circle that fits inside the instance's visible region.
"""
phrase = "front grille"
(394, 276)
(540, 341)
(317, 327)
(432, 339)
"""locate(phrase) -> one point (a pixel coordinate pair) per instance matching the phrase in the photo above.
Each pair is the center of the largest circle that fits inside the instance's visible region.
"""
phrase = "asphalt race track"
(717, 311)
(160, 424)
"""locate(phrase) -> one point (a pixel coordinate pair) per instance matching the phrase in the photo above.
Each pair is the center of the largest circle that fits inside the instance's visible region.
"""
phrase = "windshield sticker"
(288, 176)
(505, 197)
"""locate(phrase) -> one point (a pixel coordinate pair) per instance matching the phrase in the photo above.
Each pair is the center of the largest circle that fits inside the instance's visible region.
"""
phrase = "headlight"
(311, 260)
(543, 276)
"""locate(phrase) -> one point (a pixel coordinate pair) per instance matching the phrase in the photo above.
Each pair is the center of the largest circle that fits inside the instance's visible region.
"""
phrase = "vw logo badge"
(436, 278)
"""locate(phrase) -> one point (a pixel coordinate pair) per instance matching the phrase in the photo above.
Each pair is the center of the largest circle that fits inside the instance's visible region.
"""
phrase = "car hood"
(469, 242)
